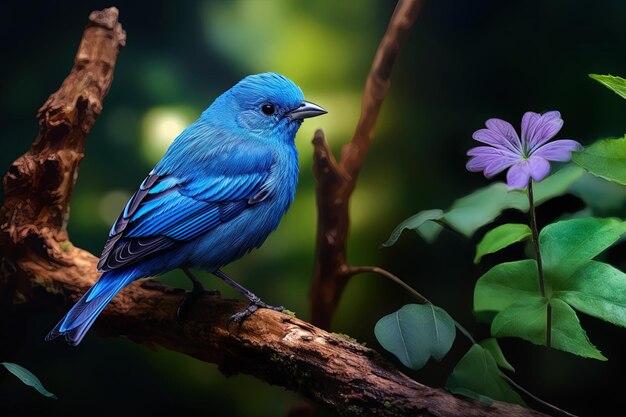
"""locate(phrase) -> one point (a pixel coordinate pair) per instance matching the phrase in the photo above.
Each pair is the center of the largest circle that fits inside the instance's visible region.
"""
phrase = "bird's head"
(269, 105)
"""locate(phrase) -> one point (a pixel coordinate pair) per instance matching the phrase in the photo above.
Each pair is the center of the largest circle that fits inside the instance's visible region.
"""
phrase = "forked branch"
(336, 179)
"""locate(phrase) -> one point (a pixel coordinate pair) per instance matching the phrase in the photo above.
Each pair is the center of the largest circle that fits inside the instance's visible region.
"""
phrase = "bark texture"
(39, 266)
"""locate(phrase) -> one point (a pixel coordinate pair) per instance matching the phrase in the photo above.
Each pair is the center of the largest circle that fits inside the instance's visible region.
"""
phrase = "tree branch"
(39, 185)
(336, 181)
(39, 266)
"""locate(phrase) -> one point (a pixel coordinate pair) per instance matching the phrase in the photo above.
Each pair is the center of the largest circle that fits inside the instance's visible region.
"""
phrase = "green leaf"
(596, 289)
(471, 212)
(481, 207)
(28, 378)
(477, 376)
(412, 223)
(604, 198)
(503, 285)
(616, 84)
(555, 185)
(415, 333)
(491, 344)
(527, 319)
(606, 159)
(568, 335)
(484, 205)
(567, 245)
(501, 237)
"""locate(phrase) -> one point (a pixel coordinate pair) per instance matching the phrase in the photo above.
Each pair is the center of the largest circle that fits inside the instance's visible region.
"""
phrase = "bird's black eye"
(268, 109)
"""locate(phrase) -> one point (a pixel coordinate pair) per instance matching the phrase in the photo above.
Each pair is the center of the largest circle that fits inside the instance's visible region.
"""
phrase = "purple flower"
(527, 158)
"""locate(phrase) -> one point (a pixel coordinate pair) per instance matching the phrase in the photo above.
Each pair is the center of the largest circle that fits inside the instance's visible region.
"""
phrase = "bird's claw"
(183, 307)
(241, 316)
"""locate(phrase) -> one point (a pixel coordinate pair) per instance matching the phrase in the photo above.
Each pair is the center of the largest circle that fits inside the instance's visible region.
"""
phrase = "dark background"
(463, 63)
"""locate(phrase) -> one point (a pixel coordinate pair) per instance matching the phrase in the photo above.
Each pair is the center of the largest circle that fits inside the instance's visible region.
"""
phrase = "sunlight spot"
(160, 126)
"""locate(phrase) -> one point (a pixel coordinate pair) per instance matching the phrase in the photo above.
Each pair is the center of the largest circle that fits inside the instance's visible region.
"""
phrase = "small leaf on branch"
(527, 319)
(413, 223)
(606, 159)
(28, 378)
(501, 237)
(493, 347)
(415, 333)
(477, 376)
(615, 84)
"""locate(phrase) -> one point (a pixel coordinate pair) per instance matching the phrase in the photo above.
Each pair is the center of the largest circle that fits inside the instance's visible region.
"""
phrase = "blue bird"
(220, 190)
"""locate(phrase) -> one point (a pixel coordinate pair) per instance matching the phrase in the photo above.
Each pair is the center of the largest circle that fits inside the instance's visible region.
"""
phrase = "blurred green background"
(463, 63)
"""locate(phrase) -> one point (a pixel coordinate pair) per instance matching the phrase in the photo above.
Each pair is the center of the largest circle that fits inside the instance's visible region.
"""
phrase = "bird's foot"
(197, 292)
(241, 316)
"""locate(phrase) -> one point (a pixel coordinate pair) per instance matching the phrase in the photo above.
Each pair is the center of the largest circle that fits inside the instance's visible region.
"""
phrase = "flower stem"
(542, 285)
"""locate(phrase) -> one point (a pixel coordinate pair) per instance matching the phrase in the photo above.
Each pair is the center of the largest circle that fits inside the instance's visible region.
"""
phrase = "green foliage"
(567, 245)
(414, 223)
(509, 294)
(526, 319)
(616, 84)
(484, 205)
(602, 198)
(415, 333)
(605, 159)
(477, 376)
(491, 345)
(501, 237)
(596, 289)
(28, 378)
(503, 285)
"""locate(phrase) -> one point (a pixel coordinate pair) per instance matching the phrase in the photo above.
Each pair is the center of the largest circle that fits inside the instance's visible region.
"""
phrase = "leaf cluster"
(532, 299)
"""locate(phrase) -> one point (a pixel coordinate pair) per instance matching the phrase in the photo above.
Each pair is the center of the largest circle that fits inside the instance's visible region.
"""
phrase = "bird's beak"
(306, 110)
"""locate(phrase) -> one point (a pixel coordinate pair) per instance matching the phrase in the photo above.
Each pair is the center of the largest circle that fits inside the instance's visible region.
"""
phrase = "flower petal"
(529, 122)
(488, 150)
(497, 166)
(492, 138)
(506, 134)
(559, 150)
(538, 167)
(538, 129)
(490, 160)
(518, 176)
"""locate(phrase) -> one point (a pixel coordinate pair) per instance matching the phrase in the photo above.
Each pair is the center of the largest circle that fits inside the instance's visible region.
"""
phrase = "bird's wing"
(180, 202)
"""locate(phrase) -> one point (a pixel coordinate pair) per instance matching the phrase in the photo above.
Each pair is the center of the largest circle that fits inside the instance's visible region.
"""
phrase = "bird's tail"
(79, 319)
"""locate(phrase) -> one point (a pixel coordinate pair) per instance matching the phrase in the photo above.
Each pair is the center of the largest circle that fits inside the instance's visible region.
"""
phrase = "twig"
(336, 180)
(353, 270)
(537, 399)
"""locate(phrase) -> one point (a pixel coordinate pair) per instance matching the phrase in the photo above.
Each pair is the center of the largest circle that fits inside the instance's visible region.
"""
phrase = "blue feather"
(79, 319)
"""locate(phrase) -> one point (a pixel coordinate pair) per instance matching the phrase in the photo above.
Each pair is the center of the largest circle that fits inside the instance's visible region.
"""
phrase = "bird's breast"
(284, 178)
(282, 181)
(250, 228)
